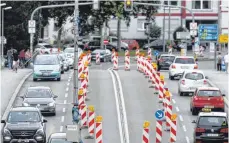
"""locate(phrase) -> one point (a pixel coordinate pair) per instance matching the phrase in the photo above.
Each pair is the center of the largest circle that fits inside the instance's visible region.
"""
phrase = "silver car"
(190, 80)
(41, 97)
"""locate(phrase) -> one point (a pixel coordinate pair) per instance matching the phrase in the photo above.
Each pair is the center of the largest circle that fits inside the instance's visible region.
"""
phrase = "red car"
(207, 97)
(132, 44)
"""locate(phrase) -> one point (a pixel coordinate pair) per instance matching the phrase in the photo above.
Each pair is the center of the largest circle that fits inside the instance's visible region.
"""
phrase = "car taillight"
(195, 67)
(224, 130)
(205, 82)
(183, 82)
(195, 98)
(221, 99)
(200, 130)
(173, 66)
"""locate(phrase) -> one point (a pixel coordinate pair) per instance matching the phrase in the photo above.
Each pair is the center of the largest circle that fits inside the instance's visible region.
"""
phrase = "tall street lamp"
(2, 4)
(2, 40)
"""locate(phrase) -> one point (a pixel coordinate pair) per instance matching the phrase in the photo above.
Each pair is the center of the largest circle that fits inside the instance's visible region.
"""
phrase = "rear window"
(167, 58)
(60, 141)
(209, 93)
(48, 46)
(213, 121)
(194, 76)
(184, 61)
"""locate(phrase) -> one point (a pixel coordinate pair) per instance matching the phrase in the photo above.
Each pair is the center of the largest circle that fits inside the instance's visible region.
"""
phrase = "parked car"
(92, 45)
(65, 61)
(25, 125)
(164, 61)
(41, 97)
(207, 97)
(132, 44)
(105, 55)
(45, 48)
(190, 80)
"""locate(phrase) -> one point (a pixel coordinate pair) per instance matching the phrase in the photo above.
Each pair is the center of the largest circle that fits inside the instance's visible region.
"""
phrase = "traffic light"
(128, 5)
(193, 40)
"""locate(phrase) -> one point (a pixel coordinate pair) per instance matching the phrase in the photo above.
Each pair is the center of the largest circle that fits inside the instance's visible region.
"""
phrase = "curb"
(15, 95)
(213, 85)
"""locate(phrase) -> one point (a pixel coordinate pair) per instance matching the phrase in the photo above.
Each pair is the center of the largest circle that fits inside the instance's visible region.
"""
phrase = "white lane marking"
(174, 102)
(62, 119)
(67, 89)
(68, 84)
(124, 109)
(177, 109)
(184, 128)
(61, 128)
(187, 139)
(117, 107)
(64, 110)
(66, 95)
(70, 77)
(65, 101)
(69, 80)
(181, 118)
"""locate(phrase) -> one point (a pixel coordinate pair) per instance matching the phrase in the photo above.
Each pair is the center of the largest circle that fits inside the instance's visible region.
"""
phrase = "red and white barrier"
(168, 117)
(173, 131)
(98, 130)
(137, 54)
(89, 58)
(158, 131)
(115, 63)
(83, 113)
(80, 68)
(112, 56)
(161, 88)
(149, 52)
(157, 77)
(81, 96)
(91, 122)
(153, 73)
(145, 134)
(83, 83)
(138, 64)
(97, 58)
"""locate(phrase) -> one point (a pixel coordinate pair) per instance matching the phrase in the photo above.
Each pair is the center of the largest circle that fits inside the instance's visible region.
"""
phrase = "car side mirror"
(194, 121)
(223, 95)
(22, 97)
(206, 77)
(55, 96)
(3, 121)
(45, 121)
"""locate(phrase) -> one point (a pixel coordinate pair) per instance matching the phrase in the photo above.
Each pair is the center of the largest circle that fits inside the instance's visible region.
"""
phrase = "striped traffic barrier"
(157, 83)
(83, 113)
(91, 122)
(158, 131)
(147, 64)
(97, 57)
(161, 88)
(83, 84)
(138, 63)
(150, 72)
(86, 70)
(115, 62)
(153, 73)
(98, 129)
(80, 68)
(89, 57)
(145, 135)
(81, 96)
(149, 52)
(113, 55)
(168, 111)
(127, 60)
(137, 52)
(141, 63)
(173, 130)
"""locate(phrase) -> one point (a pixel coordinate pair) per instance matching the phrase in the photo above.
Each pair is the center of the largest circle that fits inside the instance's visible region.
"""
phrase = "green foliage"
(154, 31)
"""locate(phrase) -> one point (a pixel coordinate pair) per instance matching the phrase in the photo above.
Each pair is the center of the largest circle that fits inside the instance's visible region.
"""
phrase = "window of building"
(171, 2)
(201, 4)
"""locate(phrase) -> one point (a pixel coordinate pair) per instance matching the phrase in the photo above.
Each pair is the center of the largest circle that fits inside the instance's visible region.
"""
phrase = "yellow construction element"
(128, 2)
(162, 77)
(116, 54)
(223, 38)
(80, 92)
(83, 76)
(167, 94)
(146, 124)
(98, 119)
(174, 117)
(89, 52)
(91, 108)
(86, 63)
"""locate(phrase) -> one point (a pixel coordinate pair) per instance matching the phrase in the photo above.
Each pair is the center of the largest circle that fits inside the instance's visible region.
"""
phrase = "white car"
(180, 64)
(190, 80)
(70, 55)
(45, 48)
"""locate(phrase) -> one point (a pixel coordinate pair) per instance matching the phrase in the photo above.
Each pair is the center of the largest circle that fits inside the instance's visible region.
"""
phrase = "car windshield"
(167, 58)
(194, 76)
(184, 61)
(59, 141)
(213, 121)
(48, 46)
(38, 93)
(23, 116)
(102, 52)
(209, 93)
(69, 50)
(46, 60)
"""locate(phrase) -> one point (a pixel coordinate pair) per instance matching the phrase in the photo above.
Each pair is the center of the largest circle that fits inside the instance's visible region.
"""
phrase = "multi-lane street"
(140, 103)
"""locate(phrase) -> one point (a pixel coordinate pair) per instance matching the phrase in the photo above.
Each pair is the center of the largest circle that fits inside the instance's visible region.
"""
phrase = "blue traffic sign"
(156, 53)
(159, 114)
(208, 32)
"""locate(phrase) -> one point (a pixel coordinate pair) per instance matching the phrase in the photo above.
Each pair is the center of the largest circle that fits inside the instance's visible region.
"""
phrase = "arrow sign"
(156, 53)
(159, 114)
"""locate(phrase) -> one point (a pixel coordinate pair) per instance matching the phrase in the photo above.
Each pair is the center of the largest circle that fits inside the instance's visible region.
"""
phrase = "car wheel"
(181, 94)
(34, 79)
(222, 109)
(58, 79)
(194, 111)
(171, 77)
(62, 72)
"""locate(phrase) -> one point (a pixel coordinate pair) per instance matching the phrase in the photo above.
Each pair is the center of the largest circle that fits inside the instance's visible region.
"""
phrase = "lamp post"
(2, 40)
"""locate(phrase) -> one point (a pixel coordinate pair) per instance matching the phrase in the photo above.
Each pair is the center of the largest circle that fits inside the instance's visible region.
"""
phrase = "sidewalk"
(218, 79)
(9, 83)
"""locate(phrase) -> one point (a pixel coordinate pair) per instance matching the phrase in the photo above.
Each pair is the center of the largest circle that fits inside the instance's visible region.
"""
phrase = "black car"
(105, 55)
(25, 125)
(211, 127)
(164, 61)
(92, 45)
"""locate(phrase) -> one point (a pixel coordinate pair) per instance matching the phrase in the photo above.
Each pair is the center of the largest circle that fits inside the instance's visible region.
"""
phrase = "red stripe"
(98, 133)
(145, 139)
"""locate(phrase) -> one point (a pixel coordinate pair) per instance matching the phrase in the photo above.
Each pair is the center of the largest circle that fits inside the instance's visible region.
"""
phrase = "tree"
(154, 31)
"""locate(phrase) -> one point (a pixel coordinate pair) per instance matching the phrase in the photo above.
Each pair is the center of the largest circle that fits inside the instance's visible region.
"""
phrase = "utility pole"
(164, 30)
(169, 25)
(119, 34)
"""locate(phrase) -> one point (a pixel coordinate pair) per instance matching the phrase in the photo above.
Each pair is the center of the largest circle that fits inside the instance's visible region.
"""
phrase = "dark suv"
(24, 125)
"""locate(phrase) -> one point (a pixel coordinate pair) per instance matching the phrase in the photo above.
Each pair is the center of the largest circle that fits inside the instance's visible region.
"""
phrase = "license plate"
(208, 106)
(184, 67)
(23, 140)
(212, 135)
(46, 74)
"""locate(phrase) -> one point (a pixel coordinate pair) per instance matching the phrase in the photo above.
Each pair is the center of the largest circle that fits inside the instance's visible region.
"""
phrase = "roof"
(208, 88)
(58, 135)
(219, 114)
(194, 70)
(24, 109)
(185, 57)
(167, 55)
(38, 87)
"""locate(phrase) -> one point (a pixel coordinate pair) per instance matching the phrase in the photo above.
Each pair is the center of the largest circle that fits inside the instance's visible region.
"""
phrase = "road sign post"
(32, 26)
(193, 28)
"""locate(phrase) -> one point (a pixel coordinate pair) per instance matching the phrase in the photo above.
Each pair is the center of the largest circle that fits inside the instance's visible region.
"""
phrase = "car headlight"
(40, 132)
(6, 132)
(52, 104)
(25, 104)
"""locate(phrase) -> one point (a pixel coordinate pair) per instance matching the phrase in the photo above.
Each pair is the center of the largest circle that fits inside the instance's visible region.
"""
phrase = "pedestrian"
(226, 60)
(15, 60)
(22, 57)
(219, 61)
(27, 57)
(10, 57)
